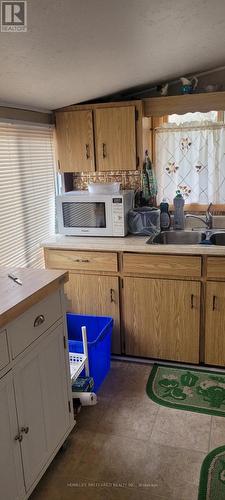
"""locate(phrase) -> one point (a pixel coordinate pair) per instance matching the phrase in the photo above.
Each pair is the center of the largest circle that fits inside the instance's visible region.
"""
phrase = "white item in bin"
(79, 361)
(77, 364)
(86, 398)
(104, 187)
(85, 347)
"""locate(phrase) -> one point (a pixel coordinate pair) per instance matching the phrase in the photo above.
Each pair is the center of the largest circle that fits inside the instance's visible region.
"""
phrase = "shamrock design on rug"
(178, 389)
(212, 389)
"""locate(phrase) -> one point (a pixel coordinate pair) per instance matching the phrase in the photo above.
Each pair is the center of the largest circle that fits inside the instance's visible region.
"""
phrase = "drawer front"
(216, 267)
(4, 352)
(86, 261)
(162, 265)
(29, 326)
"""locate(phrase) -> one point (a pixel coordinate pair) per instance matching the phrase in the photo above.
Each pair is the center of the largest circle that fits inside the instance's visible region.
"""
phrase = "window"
(27, 193)
(190, 156)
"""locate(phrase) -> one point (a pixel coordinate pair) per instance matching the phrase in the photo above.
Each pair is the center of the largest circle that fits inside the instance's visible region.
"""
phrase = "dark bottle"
(164, 215)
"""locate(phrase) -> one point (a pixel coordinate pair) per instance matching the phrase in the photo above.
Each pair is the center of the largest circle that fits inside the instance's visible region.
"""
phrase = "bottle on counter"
(164, 215)
(178, 202)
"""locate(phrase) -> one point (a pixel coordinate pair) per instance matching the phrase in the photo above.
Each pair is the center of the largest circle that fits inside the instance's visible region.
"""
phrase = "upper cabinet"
(75, 141)
(115, 137)
(101, 137)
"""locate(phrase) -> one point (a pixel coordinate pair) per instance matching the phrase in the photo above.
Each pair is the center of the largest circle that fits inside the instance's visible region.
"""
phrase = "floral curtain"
(191, 158)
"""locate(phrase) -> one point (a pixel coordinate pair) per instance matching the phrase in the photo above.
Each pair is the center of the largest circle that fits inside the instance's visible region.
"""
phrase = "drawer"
(216, 267)
(4, 352)
(34, 322)
(162, 265)
(86, 261)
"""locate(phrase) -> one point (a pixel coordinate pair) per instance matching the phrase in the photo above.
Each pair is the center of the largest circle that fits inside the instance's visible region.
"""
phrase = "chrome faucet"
(208, 221)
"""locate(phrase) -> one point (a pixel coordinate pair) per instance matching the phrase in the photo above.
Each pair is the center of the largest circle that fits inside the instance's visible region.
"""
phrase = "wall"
(7, 113)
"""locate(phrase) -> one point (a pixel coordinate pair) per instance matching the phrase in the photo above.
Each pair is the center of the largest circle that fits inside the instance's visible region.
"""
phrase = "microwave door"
(86, 217)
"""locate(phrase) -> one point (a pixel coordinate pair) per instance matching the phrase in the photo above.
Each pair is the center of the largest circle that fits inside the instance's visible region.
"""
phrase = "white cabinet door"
(11, 473)
(42, 402)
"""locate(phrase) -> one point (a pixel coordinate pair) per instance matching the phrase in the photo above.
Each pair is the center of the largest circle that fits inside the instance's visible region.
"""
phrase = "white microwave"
(80, 213)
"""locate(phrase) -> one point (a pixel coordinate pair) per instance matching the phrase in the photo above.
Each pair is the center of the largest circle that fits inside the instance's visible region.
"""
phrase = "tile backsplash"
(129, 179)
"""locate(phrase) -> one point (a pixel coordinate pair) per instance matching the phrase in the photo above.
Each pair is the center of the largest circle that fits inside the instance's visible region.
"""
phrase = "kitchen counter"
(36, 284)
(128, 244)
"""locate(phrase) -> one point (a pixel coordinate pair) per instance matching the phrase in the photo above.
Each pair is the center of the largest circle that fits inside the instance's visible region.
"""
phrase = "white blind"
(27, 193)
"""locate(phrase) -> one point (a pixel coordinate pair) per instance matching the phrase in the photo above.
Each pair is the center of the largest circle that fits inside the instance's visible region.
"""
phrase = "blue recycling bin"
(99, 335)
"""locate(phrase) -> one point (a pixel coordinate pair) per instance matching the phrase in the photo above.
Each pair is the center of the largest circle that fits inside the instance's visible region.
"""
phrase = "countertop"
(128, 244)
(36, 284)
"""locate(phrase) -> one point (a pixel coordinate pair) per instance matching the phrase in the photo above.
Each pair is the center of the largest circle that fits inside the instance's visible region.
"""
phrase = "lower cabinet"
(215, 324)
(11, 472)
(42, 402)
(99, 295)
(34, 414)
(162, 318)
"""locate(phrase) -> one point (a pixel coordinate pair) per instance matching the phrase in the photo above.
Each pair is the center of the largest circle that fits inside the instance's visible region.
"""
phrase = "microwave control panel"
(118, 216)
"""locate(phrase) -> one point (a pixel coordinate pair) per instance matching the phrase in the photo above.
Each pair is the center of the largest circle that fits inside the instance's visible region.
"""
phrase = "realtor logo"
(13, 16)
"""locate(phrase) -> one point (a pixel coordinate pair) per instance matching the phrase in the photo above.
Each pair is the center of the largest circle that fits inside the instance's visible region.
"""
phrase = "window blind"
(27, 193)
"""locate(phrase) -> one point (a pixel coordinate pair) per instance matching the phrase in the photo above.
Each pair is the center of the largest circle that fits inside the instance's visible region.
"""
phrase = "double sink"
(188, 238)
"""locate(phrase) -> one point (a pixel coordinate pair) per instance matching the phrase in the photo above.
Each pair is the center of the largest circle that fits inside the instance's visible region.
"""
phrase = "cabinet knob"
(192, 301)
(19, 437)
(39, 320)
(25, 429)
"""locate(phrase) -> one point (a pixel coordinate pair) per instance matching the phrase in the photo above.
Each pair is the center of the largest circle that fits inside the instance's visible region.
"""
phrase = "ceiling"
(77, 50)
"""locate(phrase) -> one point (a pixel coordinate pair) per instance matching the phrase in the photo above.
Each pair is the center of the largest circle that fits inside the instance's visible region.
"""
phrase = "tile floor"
(127, 447)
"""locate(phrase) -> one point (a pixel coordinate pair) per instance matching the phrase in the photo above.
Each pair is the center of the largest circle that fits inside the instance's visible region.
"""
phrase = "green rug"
(212, 477)
(195, 390)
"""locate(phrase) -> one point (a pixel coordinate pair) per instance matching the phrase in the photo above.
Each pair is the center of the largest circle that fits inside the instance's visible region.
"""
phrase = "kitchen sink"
(179, 238)
(218, 239)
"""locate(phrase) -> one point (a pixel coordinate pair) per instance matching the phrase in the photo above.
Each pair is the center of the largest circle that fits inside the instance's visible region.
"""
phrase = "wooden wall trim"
(8, 113)
(181, 104)
(77, 107)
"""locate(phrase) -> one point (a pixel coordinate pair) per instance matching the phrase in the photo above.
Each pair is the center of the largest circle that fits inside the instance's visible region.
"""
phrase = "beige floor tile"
(182, 429)
(217, 437)
(130, 417)
(111, 457)
(174, 470)
(130, 380)
(90, 417)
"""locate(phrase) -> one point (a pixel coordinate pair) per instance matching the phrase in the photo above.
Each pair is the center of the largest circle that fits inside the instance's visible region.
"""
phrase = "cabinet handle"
(39, 320)
(112, 295)
(192, 301)
(81, 260)
(25, 429)
(214, 303)
(19, 437)
(104, 152)
(87, 148)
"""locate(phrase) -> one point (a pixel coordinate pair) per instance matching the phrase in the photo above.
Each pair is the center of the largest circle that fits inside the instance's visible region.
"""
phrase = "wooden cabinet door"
(161, 318)
(116, 138)
(40, 380)
(215, 324)
(74, 132)
(11, 473)
(98, 295)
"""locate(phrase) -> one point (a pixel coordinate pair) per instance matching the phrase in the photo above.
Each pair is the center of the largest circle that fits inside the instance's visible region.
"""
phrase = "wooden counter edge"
(32, 299)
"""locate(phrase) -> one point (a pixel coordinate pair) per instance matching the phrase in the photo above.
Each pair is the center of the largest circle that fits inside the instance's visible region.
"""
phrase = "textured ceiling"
(76, 50)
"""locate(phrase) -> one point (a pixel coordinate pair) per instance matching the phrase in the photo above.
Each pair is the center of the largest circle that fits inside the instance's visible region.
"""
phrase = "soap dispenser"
(164, 215)
(178, 202)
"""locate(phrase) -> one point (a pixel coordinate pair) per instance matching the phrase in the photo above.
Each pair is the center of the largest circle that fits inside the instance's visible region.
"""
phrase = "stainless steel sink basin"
(218, 239)
(178, 238)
